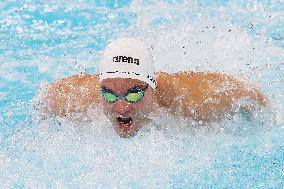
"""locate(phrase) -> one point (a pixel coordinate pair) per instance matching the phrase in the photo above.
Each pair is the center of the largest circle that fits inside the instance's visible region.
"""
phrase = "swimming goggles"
(133, 95)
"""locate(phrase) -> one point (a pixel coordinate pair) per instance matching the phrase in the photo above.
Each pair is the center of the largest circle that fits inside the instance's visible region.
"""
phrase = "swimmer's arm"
(216, 94)
(70, 95)
(206, 96)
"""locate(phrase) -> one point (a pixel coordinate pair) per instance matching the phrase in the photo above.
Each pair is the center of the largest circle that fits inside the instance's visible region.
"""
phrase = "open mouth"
(124, 122)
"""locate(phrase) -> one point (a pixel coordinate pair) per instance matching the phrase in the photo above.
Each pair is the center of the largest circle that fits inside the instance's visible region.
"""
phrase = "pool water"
(42, 41)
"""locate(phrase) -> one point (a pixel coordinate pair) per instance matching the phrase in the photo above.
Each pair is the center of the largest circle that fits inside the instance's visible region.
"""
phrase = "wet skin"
(202, 96)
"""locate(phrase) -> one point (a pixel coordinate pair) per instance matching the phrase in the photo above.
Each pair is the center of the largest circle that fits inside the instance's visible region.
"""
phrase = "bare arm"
(203, 96)
(72, 94)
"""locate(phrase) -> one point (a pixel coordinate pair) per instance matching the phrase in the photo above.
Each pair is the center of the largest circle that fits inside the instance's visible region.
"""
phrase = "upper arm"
(72, 94)
(206, 96)
(219, 93)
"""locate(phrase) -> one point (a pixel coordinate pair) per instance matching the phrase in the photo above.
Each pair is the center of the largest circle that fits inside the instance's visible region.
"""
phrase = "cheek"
(108, 107)
(143, 105)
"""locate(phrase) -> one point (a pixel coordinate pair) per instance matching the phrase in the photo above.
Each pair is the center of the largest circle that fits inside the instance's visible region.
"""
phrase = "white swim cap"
(127, 58)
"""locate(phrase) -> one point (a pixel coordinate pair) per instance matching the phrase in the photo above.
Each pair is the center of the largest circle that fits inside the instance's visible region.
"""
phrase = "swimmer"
(128, 90)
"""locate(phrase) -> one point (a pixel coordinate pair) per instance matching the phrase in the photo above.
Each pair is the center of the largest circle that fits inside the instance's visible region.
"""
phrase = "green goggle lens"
(134, 97)
(109, 97)
(131, 97)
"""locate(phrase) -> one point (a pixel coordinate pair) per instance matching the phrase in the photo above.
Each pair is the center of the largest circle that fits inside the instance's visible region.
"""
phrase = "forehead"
(121, 84)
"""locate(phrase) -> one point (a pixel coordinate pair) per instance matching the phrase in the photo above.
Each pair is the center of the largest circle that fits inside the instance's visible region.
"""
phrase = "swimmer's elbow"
(261, 99)
(256, 101)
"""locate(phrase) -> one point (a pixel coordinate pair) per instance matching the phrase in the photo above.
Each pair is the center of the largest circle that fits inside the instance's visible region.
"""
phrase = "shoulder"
(205, 79)
(78, 79)
(75, 81)
(72, 94)
(195, 83)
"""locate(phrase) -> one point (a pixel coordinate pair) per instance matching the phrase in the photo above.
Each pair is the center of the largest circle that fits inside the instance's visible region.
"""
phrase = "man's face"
(127, 117)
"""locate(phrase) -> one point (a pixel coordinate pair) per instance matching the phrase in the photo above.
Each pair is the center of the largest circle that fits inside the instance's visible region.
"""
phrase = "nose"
(122, 107)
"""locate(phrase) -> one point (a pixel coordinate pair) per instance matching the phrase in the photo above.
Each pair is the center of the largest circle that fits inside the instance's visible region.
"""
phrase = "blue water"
(44, 41)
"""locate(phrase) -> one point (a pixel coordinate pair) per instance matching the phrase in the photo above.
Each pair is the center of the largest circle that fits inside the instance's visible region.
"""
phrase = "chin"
(127, 134)
(126, 130)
